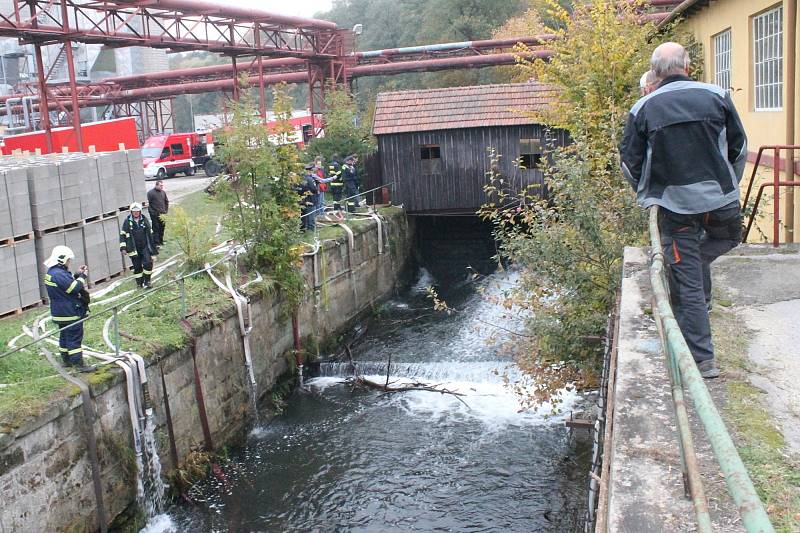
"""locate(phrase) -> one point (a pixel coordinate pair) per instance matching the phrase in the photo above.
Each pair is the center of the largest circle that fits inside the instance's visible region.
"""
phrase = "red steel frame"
(776, 185)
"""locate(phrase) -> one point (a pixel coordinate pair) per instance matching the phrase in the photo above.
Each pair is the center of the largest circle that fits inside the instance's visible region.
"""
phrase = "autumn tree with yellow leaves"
(568, 244)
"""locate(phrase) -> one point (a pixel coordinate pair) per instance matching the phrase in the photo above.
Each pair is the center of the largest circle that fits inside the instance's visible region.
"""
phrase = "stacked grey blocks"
(73, 199)
(15, 205)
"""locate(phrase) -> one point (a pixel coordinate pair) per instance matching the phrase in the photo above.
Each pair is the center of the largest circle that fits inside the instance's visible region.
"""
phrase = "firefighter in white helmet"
(69, 303)
(136, 241)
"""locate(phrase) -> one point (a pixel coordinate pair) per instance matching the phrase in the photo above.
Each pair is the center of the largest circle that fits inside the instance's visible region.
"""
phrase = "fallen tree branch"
(360, 381)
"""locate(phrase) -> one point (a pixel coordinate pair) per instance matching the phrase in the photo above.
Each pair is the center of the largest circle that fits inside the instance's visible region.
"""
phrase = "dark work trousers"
(142, 266)
(337, 190)
(691, 243)
(158, 227)
(69, 342)
(351, 193)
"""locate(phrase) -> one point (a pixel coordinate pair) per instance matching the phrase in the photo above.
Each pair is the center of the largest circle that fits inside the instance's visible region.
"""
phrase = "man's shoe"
(147, 285)
(86, 369)
(708, 369)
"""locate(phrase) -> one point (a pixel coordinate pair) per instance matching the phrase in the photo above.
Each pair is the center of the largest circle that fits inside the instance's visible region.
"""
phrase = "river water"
(344, 460)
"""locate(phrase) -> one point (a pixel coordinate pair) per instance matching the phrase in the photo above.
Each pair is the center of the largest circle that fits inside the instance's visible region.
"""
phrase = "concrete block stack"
(19, 286)
(135, 172)
(44, 186)
(71, 199)
(15, 205)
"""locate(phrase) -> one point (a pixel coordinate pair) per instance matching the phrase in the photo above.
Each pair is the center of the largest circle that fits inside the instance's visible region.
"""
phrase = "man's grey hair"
(648, 78)
(669, 59)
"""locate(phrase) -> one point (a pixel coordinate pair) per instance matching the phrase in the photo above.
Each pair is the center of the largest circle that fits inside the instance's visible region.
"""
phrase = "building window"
(530, 153)
(722, 59)
(768, 63)
(431, 157)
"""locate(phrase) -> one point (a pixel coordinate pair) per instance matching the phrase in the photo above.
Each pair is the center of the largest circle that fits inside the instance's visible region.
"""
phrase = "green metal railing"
(684, 374)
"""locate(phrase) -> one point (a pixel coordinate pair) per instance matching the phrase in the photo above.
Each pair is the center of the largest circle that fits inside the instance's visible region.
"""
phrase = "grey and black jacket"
(684, 147)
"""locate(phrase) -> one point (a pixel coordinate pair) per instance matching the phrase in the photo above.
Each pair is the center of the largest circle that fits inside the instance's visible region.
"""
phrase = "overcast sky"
(301, 8)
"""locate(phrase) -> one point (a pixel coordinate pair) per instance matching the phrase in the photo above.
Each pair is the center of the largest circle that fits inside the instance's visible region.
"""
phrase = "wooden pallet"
(112, 277)
(20, 310)
(56, 229)
(19, 238)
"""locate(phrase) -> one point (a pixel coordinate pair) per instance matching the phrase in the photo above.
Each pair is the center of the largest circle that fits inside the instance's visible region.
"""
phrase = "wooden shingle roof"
(459, 107)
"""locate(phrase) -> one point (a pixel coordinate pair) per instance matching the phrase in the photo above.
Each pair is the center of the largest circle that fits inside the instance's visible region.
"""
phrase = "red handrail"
(776, 185)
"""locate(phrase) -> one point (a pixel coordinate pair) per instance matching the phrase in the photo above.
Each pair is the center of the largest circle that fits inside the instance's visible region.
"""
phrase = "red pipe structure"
(175, 24)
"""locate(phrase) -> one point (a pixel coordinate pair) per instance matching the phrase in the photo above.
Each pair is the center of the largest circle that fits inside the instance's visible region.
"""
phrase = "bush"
(193, 235)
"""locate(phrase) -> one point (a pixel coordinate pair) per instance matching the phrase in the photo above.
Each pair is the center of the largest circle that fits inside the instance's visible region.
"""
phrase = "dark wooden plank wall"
(464, 163)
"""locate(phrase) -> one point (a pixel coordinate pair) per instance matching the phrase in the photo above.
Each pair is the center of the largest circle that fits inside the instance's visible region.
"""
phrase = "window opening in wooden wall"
(530, 153)
(431, 157)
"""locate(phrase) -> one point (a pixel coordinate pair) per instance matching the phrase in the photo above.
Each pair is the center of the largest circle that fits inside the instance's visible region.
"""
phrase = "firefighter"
(69, 303)
(337, 185)
(136, 241)
(309, 194)
(350, 178)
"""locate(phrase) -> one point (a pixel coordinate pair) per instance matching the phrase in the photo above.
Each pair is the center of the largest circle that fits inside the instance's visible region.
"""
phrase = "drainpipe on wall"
(790, 8)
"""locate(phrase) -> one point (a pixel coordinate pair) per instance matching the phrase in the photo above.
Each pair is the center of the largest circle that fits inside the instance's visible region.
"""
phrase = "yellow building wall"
(762, 127)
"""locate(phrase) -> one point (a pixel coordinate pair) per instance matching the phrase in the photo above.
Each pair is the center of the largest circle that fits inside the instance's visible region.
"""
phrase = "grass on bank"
(28, 384)
(761, 445)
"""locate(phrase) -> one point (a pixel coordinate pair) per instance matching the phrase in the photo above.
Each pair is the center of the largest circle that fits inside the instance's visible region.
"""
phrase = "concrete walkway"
(180, 186)
(757, 338)
(763, 287)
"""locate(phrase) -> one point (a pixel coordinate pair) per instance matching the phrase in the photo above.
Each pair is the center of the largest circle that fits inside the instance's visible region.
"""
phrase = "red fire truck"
(169, 154)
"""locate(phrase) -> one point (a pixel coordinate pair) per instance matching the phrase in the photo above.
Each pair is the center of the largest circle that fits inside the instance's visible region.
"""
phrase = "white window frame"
(722, 59)
(768, 60)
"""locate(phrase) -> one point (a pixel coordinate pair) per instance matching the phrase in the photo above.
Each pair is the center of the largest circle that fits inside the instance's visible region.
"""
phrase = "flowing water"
(343, 460)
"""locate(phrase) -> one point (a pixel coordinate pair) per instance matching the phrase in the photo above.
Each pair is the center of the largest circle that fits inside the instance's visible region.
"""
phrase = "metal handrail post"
(182, 286)
(776, 201)
(117, 341)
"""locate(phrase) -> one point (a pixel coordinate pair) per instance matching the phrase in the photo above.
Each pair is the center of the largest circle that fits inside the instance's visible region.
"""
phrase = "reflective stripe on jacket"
(63, 291)
(126, 241)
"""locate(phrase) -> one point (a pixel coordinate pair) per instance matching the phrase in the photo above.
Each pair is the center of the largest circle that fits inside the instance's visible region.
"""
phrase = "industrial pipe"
(445, 47)
(10, 101)
(431, 65)
(205, 8)
(227, 69)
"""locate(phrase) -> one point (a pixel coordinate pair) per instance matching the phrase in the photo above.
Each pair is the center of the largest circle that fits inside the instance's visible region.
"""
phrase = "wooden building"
(434, 144)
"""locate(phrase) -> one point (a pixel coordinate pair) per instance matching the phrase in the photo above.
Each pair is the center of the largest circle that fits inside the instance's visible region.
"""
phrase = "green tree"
(346, 132)
(262, 205)
(569, 246)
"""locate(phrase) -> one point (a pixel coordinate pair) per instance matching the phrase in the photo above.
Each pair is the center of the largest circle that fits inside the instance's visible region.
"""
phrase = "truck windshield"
(151, 152)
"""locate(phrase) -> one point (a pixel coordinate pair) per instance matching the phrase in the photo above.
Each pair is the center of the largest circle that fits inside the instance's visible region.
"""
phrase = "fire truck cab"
(169, 154)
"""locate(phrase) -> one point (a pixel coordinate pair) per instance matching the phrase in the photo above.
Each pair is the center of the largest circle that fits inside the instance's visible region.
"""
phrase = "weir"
(341, 459)
(41, 454)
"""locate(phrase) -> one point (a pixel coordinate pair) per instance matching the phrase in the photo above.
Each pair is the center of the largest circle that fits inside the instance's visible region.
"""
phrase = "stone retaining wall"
(45, 475)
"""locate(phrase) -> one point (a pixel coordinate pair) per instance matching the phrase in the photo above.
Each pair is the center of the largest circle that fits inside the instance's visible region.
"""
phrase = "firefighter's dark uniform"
(69, 303)
(337, 185)
(350, 179)
(309, 194)
(136, 239)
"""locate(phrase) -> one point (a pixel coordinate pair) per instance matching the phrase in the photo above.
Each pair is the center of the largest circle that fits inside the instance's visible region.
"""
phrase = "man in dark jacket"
(684, 149)
(350, 178)
(136, 241)
(157, 205)
(337, 185)
(309, 197)
(69, 303)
